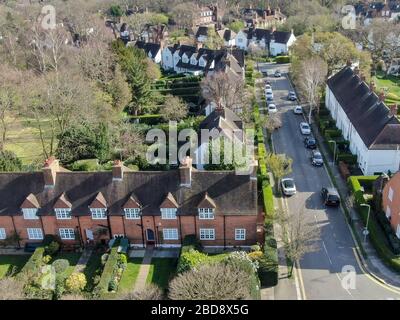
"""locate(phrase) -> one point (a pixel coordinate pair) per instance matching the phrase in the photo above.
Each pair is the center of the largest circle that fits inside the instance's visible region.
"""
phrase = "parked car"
(288, 186)
(268, 90)
(272, 108)
(268, 86)
(292, 96)
(277, 74)
(265, 73)
(267, 82)
(305, 128)
(316, 159)
(330, 196)
(298, 110)
(269, 96)
(310, 143)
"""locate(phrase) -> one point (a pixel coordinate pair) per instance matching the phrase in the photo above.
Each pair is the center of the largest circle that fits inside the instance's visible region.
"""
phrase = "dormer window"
(168, 213)
(206, 213)
(98, 213)
(132, 213)
(63, 213)
(30, 213)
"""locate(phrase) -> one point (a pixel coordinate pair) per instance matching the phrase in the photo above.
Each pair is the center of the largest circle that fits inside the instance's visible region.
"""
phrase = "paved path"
(83, 260)
(140, 283)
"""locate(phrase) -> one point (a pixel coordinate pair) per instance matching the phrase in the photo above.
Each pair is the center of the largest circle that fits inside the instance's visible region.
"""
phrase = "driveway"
(321, 275)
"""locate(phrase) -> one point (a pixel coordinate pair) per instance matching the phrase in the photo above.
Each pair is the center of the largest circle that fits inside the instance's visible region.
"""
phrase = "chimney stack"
(118, 170)
(185, 172)
(356, 71)
(348, 63)
(393, 110)
(372, 86)
(382, 96)
(50, 169)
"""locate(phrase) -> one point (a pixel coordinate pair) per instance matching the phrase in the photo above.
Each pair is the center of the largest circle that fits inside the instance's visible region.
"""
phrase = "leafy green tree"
(9, 161)
(236, 26)
(279, 164)
(116, 11)
(133, 63)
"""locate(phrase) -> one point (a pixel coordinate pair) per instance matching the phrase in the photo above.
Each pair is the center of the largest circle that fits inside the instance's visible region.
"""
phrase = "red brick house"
(391, 202)
(147, 207)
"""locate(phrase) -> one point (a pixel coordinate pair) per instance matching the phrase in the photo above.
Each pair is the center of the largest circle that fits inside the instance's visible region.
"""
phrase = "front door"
(150, 236)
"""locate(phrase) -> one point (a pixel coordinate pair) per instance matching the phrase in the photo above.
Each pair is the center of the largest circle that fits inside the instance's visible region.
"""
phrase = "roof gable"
(63, 202)
(30, 202)
(99, 201)
(169, 202)
(132, 202)
(207, 202)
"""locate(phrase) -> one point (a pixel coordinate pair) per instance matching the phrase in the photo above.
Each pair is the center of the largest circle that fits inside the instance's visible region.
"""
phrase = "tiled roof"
(153, 48)
(370, 117)
(232, 194)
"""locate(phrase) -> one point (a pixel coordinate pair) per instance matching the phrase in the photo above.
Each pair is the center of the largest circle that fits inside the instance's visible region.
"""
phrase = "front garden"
(380, 232)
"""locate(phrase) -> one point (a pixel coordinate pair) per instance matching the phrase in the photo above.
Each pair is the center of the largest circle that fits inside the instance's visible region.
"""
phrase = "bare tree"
(299, 236)
(225, 90)
(314, 73)
(150, 292)
(130, 141)
(211, 282)
(271, 122)
(173, 109)
(11, 289)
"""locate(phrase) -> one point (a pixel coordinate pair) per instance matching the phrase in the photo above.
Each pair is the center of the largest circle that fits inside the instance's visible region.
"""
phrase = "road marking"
(326, 251)
(303, 290)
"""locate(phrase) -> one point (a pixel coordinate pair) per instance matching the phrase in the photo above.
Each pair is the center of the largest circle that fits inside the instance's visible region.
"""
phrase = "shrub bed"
(376, 234)
(282, 59)
(34, 263)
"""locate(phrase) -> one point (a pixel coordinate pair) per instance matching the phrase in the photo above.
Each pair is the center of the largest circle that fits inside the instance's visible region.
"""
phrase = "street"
(320, 272)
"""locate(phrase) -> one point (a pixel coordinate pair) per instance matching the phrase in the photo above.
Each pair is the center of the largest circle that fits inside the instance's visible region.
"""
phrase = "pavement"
(144, 269)
(335, 270)
(83, 260)
(157, 253)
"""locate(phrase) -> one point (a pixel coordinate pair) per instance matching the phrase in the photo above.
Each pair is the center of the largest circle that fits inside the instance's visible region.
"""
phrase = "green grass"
(161, 271)
(9, 261)
(91, 270)
(391, 85)
(23, 138)
(72, 258)
(130, 274)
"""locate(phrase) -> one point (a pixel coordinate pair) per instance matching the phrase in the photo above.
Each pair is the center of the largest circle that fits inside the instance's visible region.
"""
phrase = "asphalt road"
(320, 271)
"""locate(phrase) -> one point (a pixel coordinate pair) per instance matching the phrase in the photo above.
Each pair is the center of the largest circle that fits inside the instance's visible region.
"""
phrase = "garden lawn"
(161, 271)
(8, 261)
(72, 258)
(130, 274)
(91, 270)
(392, 84)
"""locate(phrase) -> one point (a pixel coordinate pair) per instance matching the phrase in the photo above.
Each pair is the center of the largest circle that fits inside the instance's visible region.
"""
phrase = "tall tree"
(314, 75)
(280, 165)
(173, 109)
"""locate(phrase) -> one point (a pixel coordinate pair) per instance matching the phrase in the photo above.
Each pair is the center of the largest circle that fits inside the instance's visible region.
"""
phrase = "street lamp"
(365, 231)
(334, 151)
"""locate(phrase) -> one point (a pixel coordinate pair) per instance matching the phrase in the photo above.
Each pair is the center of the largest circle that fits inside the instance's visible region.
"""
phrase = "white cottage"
(152, 50)
(276, 42)
(371, 127)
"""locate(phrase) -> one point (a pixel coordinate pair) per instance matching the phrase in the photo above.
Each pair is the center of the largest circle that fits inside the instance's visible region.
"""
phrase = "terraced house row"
(147, 207)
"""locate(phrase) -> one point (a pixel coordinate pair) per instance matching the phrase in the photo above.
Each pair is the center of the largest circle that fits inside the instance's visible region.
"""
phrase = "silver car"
(288, 186)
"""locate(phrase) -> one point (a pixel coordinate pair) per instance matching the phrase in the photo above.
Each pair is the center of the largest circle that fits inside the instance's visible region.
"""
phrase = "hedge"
(282, 59)
(376, 234)
(108, 271)
(35, 262)
(268, 268)
(149, 119)
(348, 158)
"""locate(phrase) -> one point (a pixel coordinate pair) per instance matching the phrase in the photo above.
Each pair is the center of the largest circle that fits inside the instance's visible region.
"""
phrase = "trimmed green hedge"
(376, 234)
(268, 266)
(108, 272)
(348, 158)
(150, 119)
(282, 59)
(35, 262)
(268, 200)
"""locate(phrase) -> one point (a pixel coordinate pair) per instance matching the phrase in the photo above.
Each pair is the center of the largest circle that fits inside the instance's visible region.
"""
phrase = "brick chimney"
(372, 86)
(185, 172)
(118, 170)
(50, 169)
(393, 110)
(348, 63)
(356, 71)
(382, 96)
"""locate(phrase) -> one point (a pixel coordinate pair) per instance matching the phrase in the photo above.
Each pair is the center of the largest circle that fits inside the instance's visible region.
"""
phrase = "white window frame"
(207, 234)
(63, 213)
(98, 213)
(170, 234)
(3, 234)
(206, 214)
(132, 213)
(240, 234)
(398, 231)
(390, 194)
(168, 213)
(119, 235)
(388, 212)
(34, 233)
(66, 233)
(30, 213)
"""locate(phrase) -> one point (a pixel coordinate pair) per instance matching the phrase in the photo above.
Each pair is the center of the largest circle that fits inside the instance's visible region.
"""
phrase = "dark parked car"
(310, 143)
(330, 197)
(265, 73)
(292, 96)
